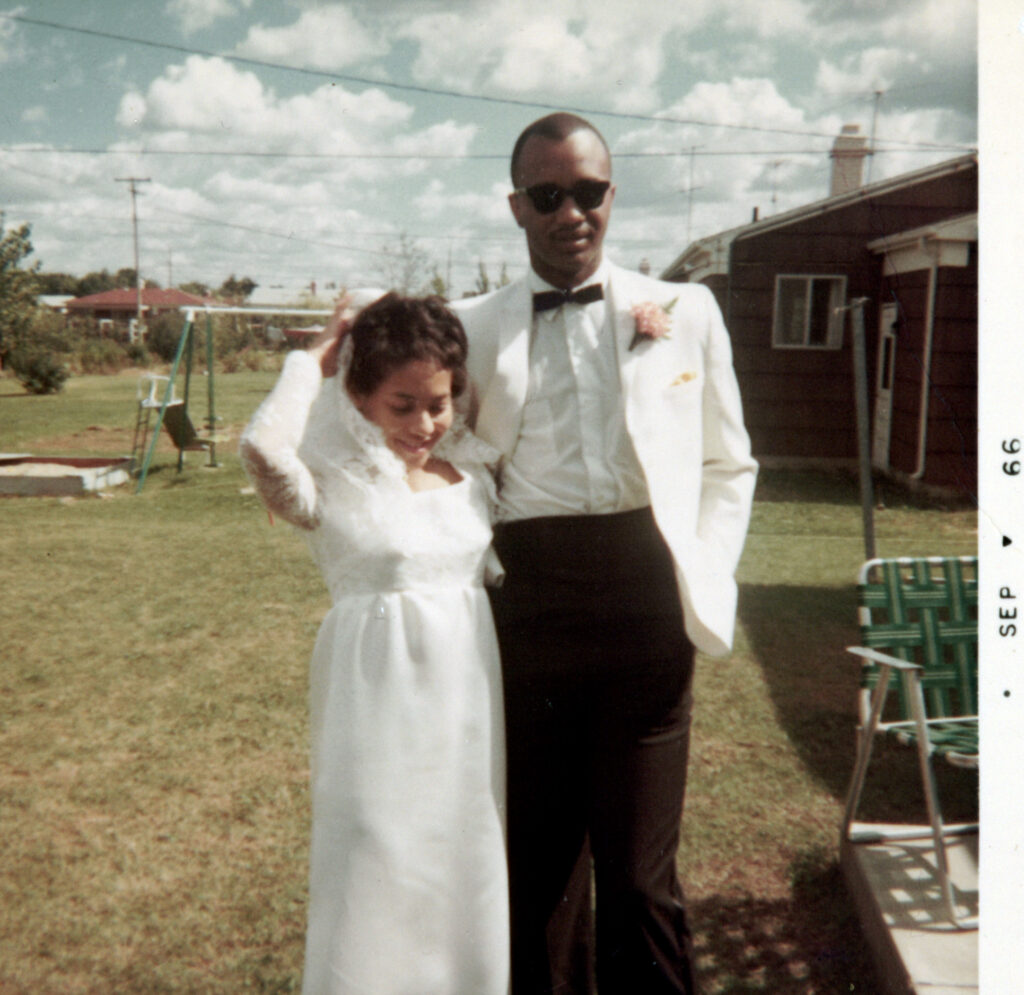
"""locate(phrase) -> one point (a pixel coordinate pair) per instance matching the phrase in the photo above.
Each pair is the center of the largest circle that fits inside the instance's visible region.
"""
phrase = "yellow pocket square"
(684, 378)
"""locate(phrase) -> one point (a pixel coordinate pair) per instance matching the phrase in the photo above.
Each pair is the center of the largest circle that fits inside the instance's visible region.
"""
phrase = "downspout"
(926, 367)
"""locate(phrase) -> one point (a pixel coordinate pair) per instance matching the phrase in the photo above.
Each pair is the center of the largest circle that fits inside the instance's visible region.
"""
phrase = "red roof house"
(124, 303)
(121, 306)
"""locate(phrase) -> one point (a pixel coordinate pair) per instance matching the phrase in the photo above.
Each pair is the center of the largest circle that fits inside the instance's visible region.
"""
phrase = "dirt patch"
(95, 438)
(101, 439)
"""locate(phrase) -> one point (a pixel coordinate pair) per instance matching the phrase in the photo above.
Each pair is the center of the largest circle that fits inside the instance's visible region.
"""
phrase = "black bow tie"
(548, 299)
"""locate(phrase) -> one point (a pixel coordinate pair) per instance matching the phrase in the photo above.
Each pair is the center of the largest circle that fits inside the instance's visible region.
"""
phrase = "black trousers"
(597, 673)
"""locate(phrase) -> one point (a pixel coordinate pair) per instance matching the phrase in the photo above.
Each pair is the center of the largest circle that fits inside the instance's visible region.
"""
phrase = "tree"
(195, 287)
(18, 289)
(405, 267)
(438, 285)
(57, 283)
(96, 283)
(483, 281)
(237, 291)
(125, 279)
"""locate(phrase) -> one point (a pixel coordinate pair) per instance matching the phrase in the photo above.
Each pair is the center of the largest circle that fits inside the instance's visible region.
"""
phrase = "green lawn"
(153, 796)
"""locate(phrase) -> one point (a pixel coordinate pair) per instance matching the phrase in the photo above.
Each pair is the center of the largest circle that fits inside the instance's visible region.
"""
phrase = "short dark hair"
(395, 330)
(556, 128)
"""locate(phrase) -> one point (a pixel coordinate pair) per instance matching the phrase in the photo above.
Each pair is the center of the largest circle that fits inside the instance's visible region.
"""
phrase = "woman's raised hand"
(326, 345)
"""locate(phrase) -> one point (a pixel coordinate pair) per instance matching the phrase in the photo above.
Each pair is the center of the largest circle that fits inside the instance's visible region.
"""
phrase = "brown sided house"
(909, 245)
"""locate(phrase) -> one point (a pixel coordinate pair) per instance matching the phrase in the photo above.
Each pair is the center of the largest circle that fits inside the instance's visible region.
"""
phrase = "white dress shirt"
(573, 455)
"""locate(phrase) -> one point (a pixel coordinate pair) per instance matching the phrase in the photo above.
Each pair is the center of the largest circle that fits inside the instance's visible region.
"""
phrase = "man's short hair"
(556, 128)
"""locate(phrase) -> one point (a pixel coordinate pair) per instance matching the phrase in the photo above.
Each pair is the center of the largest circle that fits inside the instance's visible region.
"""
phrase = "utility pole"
(874, 122)
(689, 194)
(689, 188)
(131, 181)
(775, 166)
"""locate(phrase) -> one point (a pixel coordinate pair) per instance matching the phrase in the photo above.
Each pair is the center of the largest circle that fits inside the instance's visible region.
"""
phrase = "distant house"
(117, 309)
(55, 302)
(909, 246)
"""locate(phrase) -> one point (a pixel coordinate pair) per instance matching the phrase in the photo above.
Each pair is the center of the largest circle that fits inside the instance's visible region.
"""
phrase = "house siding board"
(801, 441)
(953, 400)
(955, 473)
(952, 370)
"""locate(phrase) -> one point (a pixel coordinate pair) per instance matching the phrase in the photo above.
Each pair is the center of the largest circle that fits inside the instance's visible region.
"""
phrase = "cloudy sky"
(296, 141)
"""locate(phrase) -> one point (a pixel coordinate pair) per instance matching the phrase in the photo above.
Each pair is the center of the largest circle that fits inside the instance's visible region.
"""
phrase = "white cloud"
(327, 37)
(212, 97)
(211, 104)
(939, 29)
(740, 101)
(132, 110)
(863, 72)
(767, 20)
(202, 95)
(11, 44)
(225, 186)
(489, 207)
(562, 50)
(35, 115)
(446, 138)
(194, 15)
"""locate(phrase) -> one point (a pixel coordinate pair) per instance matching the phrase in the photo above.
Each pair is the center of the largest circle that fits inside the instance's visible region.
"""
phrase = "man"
(625, 496)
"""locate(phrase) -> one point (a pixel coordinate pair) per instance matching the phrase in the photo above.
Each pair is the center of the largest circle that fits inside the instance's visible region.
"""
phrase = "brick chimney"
(848, 153)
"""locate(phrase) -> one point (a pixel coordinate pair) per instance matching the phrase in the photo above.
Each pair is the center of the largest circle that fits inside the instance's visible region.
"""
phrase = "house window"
(805, 312)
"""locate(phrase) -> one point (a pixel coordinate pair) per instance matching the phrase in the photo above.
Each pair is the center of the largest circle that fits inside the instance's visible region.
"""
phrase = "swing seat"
(180, 428)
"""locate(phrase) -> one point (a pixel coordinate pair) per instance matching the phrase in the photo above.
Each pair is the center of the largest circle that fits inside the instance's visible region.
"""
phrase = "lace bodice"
(318, 463)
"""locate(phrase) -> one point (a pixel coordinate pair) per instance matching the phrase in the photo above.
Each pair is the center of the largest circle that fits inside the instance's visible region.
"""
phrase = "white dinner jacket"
(683, 413)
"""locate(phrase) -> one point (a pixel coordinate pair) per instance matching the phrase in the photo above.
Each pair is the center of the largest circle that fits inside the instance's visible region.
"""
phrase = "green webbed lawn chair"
(919, 617)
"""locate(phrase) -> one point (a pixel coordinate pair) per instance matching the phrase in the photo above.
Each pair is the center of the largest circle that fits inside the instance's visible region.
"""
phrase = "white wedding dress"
(408, 888)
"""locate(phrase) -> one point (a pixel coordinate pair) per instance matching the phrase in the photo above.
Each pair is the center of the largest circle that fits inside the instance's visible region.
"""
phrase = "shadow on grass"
(806, 944)
(799, 635)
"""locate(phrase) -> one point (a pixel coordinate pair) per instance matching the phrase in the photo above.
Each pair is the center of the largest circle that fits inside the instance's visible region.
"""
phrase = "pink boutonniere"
(652, 321)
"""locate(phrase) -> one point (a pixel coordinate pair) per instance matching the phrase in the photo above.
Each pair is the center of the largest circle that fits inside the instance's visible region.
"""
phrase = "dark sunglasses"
(548, 197)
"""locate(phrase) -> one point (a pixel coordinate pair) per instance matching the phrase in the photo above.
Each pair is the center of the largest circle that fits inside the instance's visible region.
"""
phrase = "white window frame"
(837, 299)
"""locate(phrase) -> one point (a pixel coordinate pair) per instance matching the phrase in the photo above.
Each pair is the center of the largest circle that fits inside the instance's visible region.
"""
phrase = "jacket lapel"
(507, 390)
(621, 293)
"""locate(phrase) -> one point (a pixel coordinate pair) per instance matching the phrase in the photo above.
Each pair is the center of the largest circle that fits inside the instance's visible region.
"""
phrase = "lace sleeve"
(269, 445)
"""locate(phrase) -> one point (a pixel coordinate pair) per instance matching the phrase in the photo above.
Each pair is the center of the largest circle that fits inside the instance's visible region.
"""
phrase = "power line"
(412, 88)
(432, 156)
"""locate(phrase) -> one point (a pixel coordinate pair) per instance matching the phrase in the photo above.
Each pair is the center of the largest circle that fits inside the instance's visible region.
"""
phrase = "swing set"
(172, 411)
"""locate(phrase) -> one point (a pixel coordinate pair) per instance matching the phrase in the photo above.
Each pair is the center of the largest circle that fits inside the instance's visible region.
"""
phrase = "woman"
(408, 885)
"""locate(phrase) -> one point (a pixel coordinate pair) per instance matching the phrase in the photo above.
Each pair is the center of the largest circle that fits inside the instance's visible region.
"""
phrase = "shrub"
(253, 359)
(232, 333)
(40, 371)
(163, 334)
(137, 354)
(41, 359)
(53, 333)
(102, 356)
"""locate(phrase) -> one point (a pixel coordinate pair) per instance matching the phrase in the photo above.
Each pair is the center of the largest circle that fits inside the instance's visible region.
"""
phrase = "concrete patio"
(917, 951)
